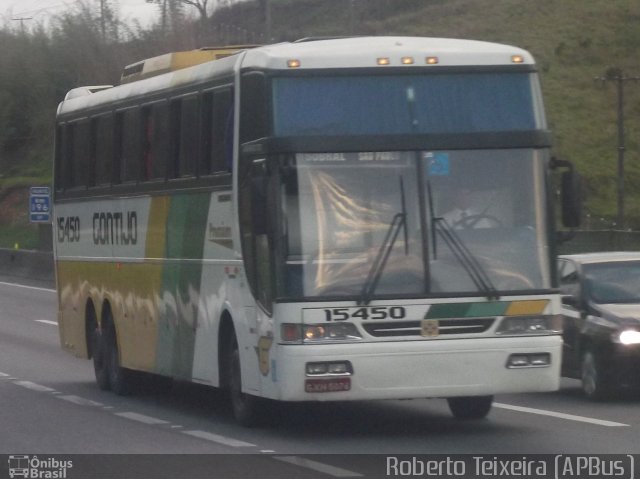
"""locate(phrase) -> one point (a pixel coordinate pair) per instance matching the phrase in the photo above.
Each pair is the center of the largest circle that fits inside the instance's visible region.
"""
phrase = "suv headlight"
(520, 325)
(627, 337)
(316, 333)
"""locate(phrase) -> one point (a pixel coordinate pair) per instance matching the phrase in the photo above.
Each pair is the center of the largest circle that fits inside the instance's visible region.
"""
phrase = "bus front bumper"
(419, 369)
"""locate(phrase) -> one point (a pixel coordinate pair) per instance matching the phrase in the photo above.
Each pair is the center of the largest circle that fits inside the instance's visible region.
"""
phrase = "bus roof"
(360, 52)
(350, 52)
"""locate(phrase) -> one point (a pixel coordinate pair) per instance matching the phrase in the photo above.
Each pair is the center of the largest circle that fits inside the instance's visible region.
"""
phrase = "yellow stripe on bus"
(155, 245)
(523, 308)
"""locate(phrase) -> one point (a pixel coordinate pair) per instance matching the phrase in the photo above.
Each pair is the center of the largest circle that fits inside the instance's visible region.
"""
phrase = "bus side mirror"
(571, 195)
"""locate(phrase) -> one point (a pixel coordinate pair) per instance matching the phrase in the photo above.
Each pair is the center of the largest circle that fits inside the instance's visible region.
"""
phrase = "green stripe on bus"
(467, 310)
(494, 308)
(448, 310)
(180, 280)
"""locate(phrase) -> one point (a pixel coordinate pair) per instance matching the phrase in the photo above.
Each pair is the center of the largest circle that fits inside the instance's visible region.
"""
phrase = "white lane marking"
(46, 321)
(560, 415)
(134, 416)
(318, 466)
(28, 287)
(227, 441)
(34, 386)
(80, 401)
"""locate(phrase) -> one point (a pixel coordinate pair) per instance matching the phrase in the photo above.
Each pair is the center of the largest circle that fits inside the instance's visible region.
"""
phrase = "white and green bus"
(274, 223)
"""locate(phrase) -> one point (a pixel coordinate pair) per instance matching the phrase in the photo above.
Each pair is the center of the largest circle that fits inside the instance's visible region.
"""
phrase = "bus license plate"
(327, 385)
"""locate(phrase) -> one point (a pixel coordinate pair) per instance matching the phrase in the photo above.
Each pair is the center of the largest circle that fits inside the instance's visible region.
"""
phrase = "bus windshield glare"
(405, 104)
(339, 210)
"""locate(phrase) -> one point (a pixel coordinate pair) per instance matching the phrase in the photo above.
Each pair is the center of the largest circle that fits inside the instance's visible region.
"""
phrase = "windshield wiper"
(468, 261)
(398, 221)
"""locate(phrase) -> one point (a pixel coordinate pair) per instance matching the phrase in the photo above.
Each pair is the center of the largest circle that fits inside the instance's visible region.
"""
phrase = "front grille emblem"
(429, 328)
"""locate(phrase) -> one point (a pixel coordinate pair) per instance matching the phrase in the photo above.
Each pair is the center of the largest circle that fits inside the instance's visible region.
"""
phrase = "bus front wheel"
(246, 408)
(471, 407)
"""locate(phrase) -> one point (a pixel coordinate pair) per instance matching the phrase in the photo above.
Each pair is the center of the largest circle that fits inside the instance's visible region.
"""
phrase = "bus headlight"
(519, 325)
(315, 333)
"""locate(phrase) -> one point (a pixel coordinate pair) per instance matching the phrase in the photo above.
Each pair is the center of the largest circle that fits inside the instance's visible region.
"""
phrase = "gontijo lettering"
(115, 228)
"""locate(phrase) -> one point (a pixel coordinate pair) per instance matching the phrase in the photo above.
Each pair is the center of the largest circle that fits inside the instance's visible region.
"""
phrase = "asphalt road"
(50, 406)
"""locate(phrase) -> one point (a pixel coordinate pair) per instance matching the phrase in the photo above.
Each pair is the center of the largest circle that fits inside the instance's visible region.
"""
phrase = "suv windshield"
(608, 283)
(344, 212)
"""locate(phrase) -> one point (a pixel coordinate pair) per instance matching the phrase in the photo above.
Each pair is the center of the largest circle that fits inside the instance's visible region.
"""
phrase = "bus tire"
(119, 377)
(471, 407)
(100, 354)
(245, 407)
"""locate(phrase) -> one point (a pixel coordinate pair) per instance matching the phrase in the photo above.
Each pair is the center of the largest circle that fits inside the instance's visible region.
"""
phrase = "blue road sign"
(40, 204)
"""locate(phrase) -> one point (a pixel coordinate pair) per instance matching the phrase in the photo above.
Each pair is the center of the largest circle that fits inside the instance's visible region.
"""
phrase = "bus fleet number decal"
(68, 229)
(365, 313)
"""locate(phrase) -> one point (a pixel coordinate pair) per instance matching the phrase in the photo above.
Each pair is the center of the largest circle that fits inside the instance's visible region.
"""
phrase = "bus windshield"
(339, 214)
(405, 104)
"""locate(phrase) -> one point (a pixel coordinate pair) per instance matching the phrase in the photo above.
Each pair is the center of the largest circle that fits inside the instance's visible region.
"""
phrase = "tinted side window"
(128, 139)
(155, 141)
(104, 149)
(189, 136)
(222, 131)
(80, 156)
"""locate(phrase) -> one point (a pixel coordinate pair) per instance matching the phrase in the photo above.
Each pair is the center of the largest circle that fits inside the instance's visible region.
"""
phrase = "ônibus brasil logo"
(32, 467)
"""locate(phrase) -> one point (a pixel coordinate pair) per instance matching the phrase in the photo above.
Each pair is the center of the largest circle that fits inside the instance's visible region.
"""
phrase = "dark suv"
(601, 309)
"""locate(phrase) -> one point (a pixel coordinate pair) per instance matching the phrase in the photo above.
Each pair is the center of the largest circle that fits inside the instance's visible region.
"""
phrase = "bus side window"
(92, 157)
(184, 118)
(222, 131)
(216, 111)
(79, 164)
(189, 129)
(175, 114)
(206, 122)
(160, 141)
(155, 141)
(104, 149)
(128, 144)
(147, 143)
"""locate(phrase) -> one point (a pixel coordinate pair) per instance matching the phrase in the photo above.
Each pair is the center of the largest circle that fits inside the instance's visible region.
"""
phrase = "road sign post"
(40, 204)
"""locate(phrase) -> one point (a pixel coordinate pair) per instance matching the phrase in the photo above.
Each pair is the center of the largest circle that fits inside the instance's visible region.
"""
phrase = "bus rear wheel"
(100, 354)
(120, 378)
(471, 407)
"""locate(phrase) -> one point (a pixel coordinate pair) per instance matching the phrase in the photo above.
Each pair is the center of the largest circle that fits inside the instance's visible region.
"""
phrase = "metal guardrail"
(27, 264)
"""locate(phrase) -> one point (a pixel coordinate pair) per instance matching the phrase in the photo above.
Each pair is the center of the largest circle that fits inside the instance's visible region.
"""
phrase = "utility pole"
(352, 17)
(103, 20)
(616, 75)
(267, 20)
